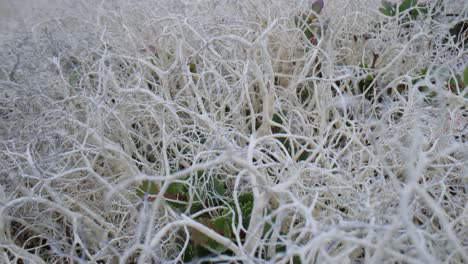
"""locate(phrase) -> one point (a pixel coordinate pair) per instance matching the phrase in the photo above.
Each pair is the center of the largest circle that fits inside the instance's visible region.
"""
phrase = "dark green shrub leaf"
(388, 5)
(176, 188)
(406, 4)
(385, 11)
(389, 9)
(223, 226)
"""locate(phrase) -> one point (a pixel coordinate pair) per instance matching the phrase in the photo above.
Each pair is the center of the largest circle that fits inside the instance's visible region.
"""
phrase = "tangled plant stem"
(226, 131)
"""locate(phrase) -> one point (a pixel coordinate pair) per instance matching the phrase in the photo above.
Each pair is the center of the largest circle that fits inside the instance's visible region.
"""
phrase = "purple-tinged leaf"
(317, 6)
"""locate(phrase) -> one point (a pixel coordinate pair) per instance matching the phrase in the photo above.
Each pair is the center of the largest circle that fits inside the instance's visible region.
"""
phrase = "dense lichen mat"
(227, 131)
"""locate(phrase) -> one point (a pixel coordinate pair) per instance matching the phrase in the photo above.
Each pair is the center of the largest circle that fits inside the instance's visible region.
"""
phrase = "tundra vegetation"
(225, 131)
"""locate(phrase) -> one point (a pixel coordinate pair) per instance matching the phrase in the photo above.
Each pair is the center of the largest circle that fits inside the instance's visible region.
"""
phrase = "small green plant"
(456, 84)
(392, 9)
(307, 22)
(178, 197)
